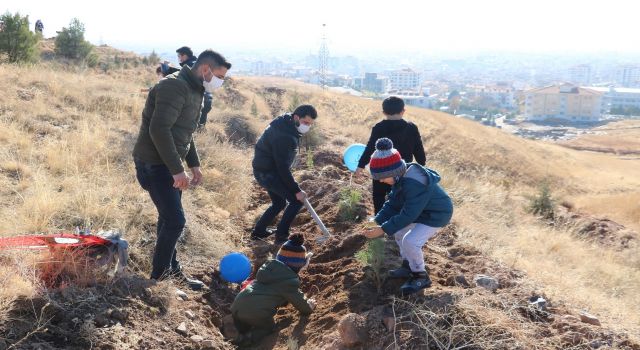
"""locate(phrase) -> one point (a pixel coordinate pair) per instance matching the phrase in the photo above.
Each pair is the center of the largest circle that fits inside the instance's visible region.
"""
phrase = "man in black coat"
(274, 155)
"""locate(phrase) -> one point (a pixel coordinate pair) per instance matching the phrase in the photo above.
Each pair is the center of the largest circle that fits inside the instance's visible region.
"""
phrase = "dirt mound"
(454, 313)
(273, 96)
(600, 230)
(114, 316)
(240, 131)
(231, 96)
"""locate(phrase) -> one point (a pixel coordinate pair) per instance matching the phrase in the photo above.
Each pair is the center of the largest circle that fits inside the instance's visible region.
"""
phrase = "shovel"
(316, 218)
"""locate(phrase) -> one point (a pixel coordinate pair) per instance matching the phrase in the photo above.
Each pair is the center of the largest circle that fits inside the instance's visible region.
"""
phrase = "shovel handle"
(316, 218)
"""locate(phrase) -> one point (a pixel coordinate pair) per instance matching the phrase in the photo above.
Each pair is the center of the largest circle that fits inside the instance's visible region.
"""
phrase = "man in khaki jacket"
(169, 119)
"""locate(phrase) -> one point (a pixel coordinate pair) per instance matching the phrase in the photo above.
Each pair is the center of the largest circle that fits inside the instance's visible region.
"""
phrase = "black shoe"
(262, 235)
(280, 240)
(417, 282)
(192, 283)
(403, 271)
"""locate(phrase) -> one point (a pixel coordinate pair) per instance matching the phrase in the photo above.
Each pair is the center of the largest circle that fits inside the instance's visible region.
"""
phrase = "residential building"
(616, 99)
(405, 79)
(500, 94)
(628, 76)
(371, 82)
(412, 98)
(580, 74)
(563, 102)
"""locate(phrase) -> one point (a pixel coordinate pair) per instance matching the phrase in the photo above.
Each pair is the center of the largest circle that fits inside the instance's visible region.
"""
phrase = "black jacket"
(189, 62)
(406, 139)
(276, 150)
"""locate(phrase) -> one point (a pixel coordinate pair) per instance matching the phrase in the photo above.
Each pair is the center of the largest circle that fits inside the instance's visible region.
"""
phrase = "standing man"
(39, 27)
(169, 119)
(274, 154)
(186, 57)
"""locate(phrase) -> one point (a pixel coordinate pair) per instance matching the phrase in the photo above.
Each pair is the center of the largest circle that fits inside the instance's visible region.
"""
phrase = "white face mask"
(215, 83)
(303, 128)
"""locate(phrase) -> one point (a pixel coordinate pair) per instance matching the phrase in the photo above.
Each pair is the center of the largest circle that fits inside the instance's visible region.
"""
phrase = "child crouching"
(416, 209)
(276, 284)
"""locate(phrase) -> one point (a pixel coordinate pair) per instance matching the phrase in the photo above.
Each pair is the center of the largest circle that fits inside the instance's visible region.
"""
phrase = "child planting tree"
(277, 284)
(416, 209)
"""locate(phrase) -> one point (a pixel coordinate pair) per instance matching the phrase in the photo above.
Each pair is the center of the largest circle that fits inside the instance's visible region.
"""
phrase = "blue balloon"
(235, 267)
(352, 156)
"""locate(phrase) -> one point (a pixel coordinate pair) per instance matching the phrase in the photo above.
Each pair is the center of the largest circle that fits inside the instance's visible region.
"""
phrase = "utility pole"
(323, 58)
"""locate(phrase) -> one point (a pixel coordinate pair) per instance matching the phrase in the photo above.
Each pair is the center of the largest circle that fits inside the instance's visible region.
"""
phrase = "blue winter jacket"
(416, 197)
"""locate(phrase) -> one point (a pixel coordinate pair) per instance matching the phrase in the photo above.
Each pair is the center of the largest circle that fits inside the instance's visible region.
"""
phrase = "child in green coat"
(277, 284)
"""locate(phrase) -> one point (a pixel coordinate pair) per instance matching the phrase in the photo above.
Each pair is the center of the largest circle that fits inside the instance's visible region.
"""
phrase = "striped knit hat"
(386, 161)
(293, 253)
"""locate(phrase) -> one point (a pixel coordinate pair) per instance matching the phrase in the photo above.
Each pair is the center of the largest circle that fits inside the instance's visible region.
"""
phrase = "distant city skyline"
(358, 28)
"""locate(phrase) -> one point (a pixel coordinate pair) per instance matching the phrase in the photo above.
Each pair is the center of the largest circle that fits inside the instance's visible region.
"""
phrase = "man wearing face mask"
(169, 119)
(186, 57)
(274, 154)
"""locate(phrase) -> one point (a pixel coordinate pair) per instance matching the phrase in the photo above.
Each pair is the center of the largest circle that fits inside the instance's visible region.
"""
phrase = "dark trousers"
(206, 108)
(158, 181)
(257, 328)
(281, 197)
(380, 192)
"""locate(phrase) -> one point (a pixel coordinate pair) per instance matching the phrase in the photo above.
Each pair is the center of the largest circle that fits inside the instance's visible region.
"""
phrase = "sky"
(352, 26)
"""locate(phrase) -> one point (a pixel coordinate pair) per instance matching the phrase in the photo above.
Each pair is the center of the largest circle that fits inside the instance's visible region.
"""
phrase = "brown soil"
(135, 313)
(596, 229)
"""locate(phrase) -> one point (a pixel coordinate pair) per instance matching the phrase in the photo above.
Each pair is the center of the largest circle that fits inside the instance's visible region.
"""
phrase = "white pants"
(410, 240)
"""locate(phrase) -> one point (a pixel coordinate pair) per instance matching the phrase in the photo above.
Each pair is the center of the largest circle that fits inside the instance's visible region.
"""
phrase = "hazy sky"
(353, 26)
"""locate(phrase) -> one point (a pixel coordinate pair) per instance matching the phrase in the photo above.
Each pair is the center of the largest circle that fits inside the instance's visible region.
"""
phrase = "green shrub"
(348, 208)
(373, 256)
(16, 40)
(70, 41)
(543, 203)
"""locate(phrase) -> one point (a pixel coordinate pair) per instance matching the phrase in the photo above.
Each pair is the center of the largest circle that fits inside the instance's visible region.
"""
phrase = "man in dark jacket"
(169, 119)
(277, 284)
(405, 137)
(274, 155)
(186, 57)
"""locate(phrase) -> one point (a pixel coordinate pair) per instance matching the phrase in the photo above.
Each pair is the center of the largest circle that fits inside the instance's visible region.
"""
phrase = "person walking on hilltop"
(39, 27)
(403, 134)
(165, 140)
(186, 57)
(275, 152)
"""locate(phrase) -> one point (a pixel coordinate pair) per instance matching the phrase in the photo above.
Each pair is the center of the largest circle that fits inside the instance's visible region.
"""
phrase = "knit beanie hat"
(386, 161)
(293, 253)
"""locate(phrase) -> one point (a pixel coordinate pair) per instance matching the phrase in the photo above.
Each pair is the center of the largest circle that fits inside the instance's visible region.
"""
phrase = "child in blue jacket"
(416, 209)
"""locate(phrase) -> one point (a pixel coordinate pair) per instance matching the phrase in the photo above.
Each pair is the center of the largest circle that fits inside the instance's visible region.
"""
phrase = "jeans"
(206, 108)
(380, 192)
(281, 197)
(158, 181)
(410, 240)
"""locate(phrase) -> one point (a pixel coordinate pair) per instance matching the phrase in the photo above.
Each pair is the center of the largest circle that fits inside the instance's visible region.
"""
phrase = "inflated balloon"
(235, 267)
(352, 155)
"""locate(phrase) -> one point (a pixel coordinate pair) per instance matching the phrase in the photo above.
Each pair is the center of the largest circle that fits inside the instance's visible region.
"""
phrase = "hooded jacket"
(275, 286)
(406, 139)
(276, 150)
(169, 119)
(415, 198)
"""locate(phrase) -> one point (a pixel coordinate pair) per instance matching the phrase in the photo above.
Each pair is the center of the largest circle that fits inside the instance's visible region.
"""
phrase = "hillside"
(65, 162)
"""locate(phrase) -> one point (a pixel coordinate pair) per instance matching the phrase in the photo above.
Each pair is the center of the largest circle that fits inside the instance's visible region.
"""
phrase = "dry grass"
(489, 173)
(65, 162)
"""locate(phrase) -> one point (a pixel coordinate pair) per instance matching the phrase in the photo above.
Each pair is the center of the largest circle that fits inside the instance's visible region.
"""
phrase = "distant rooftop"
(565, 89)
(616, 89)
